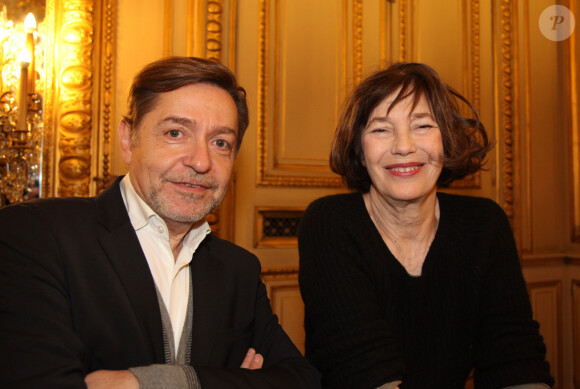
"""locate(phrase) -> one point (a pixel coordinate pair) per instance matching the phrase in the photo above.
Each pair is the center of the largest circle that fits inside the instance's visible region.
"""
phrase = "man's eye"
(174, 133)
(222, 144)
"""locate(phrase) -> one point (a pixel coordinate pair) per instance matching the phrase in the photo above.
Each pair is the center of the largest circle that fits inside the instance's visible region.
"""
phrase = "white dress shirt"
(171, 275)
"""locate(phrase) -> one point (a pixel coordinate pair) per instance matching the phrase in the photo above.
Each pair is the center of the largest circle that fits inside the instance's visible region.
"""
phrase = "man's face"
(183, 153)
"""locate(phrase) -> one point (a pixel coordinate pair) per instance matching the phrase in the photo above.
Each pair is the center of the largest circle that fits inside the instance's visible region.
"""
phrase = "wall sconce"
(21, 116)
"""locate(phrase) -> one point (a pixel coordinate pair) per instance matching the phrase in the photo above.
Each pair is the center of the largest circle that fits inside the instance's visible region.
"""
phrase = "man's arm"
(125, 379)
(283, 365)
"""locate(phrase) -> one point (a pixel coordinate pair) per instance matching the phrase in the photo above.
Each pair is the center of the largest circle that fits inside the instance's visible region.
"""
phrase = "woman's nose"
(403, 143)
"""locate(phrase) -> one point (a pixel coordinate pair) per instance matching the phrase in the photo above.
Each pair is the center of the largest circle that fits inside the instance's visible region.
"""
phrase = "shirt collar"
(139, 212)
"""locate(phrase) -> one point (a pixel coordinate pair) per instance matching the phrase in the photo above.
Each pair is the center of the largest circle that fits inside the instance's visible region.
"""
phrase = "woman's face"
(403, 149)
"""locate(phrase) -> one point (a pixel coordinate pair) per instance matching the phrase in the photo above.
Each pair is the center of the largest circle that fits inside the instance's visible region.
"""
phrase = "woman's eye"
(424, 127)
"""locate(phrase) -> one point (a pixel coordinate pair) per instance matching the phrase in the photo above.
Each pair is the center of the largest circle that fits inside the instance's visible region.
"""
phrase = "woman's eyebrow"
(381, 119)
(421, 115)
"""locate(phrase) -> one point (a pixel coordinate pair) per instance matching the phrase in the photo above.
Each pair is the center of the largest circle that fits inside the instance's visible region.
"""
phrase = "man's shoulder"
(228, 259)
(50, 207)
(227, 250)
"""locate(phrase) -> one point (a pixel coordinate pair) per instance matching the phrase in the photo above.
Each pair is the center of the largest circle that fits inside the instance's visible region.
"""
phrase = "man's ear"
(126, 142)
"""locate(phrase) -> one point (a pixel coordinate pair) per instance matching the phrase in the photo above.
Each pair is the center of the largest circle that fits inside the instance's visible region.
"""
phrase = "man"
(130, 289)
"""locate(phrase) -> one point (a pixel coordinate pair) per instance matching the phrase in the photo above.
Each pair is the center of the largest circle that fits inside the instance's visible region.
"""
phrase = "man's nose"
(198, 157)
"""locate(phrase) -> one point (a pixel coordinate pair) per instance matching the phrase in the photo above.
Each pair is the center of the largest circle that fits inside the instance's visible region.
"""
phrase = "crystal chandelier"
(21, 116)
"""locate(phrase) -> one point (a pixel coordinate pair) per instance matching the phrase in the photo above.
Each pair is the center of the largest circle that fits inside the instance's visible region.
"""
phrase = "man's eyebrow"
(224, 130)
(179, 120)
(190, 123)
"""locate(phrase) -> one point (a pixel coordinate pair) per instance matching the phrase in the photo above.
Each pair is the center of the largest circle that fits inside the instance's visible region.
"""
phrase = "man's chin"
(184, 214)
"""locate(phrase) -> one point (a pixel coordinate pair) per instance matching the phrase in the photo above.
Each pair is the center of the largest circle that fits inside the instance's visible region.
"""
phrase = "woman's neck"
(407, 227)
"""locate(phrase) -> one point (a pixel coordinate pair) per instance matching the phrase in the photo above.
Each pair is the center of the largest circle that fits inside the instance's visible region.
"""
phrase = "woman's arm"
(510, 349)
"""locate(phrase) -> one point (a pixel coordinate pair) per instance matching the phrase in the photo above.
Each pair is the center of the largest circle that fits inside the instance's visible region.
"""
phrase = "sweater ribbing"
(369, 322)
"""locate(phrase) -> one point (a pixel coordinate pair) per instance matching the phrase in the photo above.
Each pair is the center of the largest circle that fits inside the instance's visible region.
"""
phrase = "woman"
(404, 285)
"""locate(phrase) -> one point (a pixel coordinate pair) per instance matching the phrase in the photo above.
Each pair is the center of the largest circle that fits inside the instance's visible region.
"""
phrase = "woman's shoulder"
(467, 204)
(465, 211)
(342, 204)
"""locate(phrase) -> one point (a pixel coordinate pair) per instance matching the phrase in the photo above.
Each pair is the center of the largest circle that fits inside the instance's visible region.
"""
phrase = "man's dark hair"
(171, 73)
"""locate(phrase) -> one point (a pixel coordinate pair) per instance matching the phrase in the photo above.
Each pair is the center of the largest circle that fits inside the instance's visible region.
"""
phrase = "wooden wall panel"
(284, 293)
(304, 61)
(546, 303)
(576, 330)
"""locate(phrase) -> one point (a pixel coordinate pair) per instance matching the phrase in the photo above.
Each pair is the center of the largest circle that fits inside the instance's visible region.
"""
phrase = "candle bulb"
(23, 97)
(29, 27)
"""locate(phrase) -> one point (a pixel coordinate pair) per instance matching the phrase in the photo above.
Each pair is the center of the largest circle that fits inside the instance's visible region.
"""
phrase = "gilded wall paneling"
(80, 110)
(211, 34)
(195, 39)
(211, 30)
(472, 74)
(576, 330)
(277, 227)
(287, 108)
(523, 201)
(49, 136)
(167, 28)
(104, 109)
(461, 40)
(574, 121)
(284, 293)
(404, 39)
(506, 131)
(74, 50)
(546, 301)
(392, 31)
(357, 38)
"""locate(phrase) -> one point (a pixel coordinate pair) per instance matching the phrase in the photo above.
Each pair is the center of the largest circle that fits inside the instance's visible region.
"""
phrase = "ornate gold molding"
(472, 66)
(357, 35)
(105, 108)
(475, 57)
(207, 21)
(508, 130)
(213, 30)
(574, 142)
(403, 33)
(74, 102)
(48, 151)
(280, 273)
(79, 100)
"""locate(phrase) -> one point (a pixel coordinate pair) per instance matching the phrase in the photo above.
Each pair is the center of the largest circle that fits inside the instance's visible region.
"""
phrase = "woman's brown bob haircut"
(171, 73)
(465, 142)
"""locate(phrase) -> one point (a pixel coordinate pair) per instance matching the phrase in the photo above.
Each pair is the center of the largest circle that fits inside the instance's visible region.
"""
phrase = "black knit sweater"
(369, 322)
